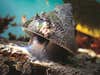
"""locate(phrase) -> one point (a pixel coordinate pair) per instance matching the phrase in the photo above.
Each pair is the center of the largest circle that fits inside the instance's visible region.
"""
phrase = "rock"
(18, 63)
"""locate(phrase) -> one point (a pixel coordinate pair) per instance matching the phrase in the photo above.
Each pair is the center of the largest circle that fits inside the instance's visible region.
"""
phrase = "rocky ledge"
(18, 63)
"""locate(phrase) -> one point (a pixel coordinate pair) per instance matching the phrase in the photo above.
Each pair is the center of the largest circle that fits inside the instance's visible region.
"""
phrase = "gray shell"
(63, 27)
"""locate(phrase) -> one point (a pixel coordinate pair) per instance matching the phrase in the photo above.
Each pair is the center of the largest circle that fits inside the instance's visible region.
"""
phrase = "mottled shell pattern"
(57, 26)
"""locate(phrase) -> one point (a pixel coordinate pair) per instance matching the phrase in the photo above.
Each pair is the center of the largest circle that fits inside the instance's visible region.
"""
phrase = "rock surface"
(20, 64)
